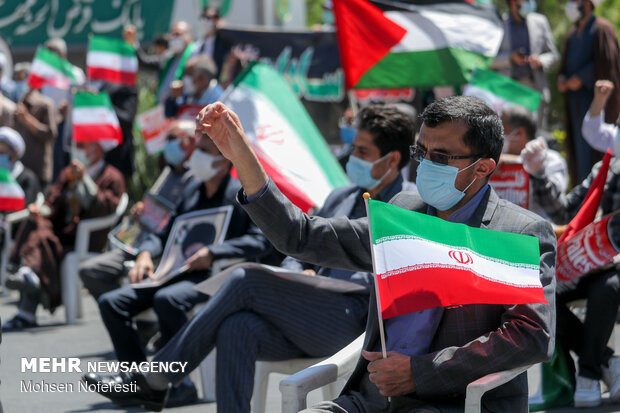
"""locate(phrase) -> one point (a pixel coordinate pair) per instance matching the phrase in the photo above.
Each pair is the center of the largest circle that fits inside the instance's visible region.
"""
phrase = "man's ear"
(485, 167)
(394, 159)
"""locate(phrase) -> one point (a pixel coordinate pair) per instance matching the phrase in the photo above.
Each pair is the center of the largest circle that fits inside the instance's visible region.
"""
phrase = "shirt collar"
(464, 213)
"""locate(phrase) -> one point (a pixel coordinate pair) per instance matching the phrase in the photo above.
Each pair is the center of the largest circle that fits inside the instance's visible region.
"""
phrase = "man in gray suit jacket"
(527, 51)
(441, 350)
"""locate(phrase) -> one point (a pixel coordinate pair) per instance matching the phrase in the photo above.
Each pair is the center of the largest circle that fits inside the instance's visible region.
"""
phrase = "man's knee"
(105, 302)
(236, 327)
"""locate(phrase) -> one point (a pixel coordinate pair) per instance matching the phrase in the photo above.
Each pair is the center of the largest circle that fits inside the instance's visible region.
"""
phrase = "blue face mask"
(435, 184)
(347, 133)
(5, 162)
(358, 171)
(527, 7)
(80, 155)
(173, 154)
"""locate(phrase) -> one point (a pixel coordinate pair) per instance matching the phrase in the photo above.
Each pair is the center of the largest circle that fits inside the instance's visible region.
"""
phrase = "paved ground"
(89, 342)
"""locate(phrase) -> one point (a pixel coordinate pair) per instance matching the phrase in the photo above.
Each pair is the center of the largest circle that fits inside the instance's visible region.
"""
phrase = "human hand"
(129, 34)
(392, 375)
(518, 58)
(21, 112)
(224, 128)
(137, 210)
(534, 62)
(176, 89)
(200, 260)
(35, 211)
(602, 90)
(533, 156)
(309, 271)
(77, 170)
(573, 83)
(562, 84)
(143, 267)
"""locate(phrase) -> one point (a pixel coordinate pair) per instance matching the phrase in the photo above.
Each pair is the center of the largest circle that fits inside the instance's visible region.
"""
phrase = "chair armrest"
(86, 226)
(477, 388)
(296, 387)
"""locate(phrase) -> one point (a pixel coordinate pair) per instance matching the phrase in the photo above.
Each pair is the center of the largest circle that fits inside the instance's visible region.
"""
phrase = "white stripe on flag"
(411, 252)
(112, 61)
(44, 70)
(494, 101)
(431, 30)
(93, 115)
(278, 139)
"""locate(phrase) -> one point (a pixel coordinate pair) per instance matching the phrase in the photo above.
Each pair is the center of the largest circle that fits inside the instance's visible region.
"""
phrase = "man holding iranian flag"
(435, 351)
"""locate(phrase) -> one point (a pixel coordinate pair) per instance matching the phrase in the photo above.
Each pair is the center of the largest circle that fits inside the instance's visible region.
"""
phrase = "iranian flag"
(424, 262)
(50, 69)
(390, 45)
(111, 60)
(94, 120)
(12, 196)
(499, 91)
(286, 140)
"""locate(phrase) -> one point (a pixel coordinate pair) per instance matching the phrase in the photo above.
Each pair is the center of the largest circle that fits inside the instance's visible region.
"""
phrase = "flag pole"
(374, 269)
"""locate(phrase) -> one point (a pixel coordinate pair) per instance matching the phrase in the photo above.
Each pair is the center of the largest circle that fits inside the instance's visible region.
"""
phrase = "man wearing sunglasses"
(434, 353)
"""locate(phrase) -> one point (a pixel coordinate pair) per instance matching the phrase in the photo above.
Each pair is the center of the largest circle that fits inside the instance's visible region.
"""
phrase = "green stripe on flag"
(389, 221)
(507, 89)
(104, 44)
(55, 61)
(86, 99)
(5, 176)
(262, 78)
(440, 67)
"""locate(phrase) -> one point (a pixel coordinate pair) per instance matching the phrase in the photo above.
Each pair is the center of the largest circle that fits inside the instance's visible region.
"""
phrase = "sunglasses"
(418, 154)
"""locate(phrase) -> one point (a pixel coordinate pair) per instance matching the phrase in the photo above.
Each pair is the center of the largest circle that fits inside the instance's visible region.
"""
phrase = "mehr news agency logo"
(74, 365)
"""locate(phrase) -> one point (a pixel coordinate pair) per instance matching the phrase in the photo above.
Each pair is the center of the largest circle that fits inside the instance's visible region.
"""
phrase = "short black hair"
(519, 117)
(391, 129)
(485, 133)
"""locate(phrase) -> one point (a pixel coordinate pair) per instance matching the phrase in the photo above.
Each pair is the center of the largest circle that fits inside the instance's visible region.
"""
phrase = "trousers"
(104, 272)
(259, 316)
(170, 302)
(588, 339)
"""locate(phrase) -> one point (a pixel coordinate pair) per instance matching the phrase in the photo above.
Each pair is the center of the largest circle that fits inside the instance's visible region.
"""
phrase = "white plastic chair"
(295, 388)
(70, 280)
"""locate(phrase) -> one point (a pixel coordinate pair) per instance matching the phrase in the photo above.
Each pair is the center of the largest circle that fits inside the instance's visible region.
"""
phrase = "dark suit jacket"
(469, 341)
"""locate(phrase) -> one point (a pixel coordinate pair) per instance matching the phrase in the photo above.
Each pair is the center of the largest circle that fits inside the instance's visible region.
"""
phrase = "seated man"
(199, 86)
(104, 272)
(463, 137)
(257, 316)
(522, 146)
(87, 188)
(213, 187)
(588, 339)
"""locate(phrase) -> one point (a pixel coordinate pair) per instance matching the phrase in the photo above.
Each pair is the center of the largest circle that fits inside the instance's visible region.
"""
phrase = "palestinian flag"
(111, 60)
(12, 196)
(499, 91)
(424, 262)
(390, 45)
(50, 69)
(94, 120)
(287, 142)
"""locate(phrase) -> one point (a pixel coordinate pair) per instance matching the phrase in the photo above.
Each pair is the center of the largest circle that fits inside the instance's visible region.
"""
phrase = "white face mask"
(80, 155)
(572, 11)
(206, 25)
(201, 165)
(188, 85)
(176, 44)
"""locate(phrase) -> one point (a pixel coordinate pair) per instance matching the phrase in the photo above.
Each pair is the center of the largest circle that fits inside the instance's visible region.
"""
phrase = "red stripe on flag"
(294, 194)
(37, 82)
(12, 204)
(96, 133)
(365, 36)
(421, 289)
(114, 76)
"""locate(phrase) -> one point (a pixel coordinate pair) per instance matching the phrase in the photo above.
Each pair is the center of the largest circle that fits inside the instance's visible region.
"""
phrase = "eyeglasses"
(418, 154)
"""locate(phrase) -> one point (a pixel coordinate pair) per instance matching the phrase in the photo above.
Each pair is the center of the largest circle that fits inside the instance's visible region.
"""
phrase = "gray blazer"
(469, 341)
(541, 44)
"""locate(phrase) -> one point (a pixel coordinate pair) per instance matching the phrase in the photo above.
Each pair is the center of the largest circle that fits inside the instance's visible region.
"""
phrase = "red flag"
(591, 203)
